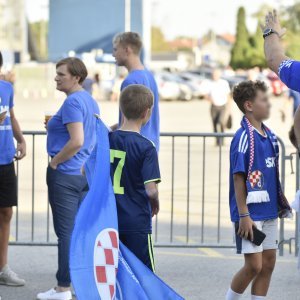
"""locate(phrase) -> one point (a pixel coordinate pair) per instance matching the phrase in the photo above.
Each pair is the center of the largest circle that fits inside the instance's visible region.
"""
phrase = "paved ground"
(197, 274)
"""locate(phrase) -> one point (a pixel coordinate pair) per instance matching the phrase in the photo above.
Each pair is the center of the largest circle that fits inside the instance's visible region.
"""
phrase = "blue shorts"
(140, 244)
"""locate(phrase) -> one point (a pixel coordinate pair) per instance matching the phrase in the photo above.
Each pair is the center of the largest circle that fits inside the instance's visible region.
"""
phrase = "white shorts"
(270, 228)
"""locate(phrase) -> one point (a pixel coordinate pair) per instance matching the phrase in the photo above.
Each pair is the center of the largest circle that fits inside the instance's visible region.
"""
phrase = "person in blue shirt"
(70, 140)
(127, 48)
(135, 173)
(9, 129)
(256, 198)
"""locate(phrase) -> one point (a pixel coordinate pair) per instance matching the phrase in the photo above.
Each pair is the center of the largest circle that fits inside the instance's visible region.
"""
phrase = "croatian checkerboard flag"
(101, 266)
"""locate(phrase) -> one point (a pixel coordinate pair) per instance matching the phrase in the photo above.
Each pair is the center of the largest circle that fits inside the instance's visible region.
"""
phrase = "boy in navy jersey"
(256, 198)
(135, 173)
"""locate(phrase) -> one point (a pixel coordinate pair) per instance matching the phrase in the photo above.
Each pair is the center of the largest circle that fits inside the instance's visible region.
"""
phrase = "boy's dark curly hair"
(247, 91)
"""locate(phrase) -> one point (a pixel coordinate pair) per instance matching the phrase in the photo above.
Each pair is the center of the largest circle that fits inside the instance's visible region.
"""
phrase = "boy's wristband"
(244, 215)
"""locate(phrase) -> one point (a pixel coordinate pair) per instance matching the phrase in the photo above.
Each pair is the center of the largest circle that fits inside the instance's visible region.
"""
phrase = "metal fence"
(193, 194)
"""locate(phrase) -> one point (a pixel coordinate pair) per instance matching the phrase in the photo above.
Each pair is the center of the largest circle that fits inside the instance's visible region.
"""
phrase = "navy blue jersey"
(134, 162)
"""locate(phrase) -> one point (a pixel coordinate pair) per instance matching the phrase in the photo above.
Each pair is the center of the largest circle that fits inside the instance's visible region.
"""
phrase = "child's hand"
(155, 208)
(245, 228)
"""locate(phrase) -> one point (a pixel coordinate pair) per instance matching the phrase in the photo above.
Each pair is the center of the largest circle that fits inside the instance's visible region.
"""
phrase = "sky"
(185, 17)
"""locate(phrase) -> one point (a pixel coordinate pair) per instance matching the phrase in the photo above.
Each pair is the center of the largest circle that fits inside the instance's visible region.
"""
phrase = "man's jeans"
(65, 194)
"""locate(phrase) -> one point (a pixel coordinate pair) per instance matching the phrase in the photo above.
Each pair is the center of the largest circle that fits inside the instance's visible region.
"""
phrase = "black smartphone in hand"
(258, 235)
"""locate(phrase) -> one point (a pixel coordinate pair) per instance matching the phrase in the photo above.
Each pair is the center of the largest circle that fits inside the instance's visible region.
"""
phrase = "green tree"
(38, 35)
(255, 55)
(242, 45)
(159, 43)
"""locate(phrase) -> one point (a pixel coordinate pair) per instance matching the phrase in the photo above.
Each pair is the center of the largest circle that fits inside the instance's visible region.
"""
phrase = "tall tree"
(242, 45)
(255, 55)
(159, 43)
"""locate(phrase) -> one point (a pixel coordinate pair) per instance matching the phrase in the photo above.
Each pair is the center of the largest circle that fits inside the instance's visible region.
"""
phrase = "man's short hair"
(247, 91)
(135, 100)
(75, 67)
(1, 60)
(131, 39)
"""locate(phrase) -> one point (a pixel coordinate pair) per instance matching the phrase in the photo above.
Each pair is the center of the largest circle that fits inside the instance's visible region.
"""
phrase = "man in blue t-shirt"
(126, 50)
(254, 191)
(135, 173)
(9, 129)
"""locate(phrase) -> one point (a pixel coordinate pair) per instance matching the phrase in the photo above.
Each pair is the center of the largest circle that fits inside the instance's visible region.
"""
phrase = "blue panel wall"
(83, 25)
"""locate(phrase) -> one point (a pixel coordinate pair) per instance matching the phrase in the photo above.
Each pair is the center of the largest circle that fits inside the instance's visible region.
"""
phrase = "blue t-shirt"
(296, 99)
(239, 162)
(78, 107)
(152, 129)
(134, 162)
(7, 146)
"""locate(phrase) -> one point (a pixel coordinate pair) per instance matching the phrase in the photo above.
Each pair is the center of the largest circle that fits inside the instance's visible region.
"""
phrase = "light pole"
(127, 15)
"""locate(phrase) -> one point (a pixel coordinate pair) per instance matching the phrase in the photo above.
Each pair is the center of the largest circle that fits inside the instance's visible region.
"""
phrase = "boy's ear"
(145, 113)
(248, 105)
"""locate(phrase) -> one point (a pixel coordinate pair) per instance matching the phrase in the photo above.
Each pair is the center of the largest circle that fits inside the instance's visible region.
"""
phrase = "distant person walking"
(126, 50)
(71, 139)
(9, 129)
(218, 93)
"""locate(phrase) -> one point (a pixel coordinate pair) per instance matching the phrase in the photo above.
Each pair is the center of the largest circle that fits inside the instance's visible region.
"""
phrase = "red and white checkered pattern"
(106, 262)
(254, 178)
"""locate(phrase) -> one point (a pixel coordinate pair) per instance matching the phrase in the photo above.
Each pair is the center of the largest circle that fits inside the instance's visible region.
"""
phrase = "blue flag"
(102, 267)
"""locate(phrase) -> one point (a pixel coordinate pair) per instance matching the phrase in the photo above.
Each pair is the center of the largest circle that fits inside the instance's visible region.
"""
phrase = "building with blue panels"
(83, 26)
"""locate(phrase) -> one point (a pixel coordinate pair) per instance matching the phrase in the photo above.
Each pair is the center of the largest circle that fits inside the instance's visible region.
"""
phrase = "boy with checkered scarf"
(256, 197)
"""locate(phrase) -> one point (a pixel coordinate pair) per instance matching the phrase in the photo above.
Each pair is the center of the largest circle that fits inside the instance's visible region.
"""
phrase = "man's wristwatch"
(268, 32)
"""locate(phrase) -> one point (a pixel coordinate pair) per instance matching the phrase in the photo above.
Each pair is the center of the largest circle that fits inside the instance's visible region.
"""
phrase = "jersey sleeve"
(150, 168)
(289, 73)
(72, 111)
(238, 153)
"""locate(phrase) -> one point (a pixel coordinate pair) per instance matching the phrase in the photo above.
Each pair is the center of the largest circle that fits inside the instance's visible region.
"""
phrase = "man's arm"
(72, 146)
(274, 51)
(152, 192)
(21, 144)
(246, 223)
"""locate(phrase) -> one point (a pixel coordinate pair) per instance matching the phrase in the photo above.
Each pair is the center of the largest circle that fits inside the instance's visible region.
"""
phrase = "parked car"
(168, 89)
(204, 72)
(172, 87)
(196, 83)
(277, 86)
(234, 80)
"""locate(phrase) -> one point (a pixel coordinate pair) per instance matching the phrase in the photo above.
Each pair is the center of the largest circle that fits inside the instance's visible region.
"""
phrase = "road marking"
(230, 257)
(210, 252)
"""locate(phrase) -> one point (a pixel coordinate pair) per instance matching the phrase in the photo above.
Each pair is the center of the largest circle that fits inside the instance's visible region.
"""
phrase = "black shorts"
(8, 186)
(141, 245)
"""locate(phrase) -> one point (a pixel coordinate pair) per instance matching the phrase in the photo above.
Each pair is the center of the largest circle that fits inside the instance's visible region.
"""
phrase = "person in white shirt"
(218, 93)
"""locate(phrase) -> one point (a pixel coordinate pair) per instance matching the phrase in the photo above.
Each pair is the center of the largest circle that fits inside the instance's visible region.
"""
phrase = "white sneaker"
(54, 295)
(8, 277)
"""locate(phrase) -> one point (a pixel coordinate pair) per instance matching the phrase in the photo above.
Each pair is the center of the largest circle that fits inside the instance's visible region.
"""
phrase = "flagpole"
(127, 15)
